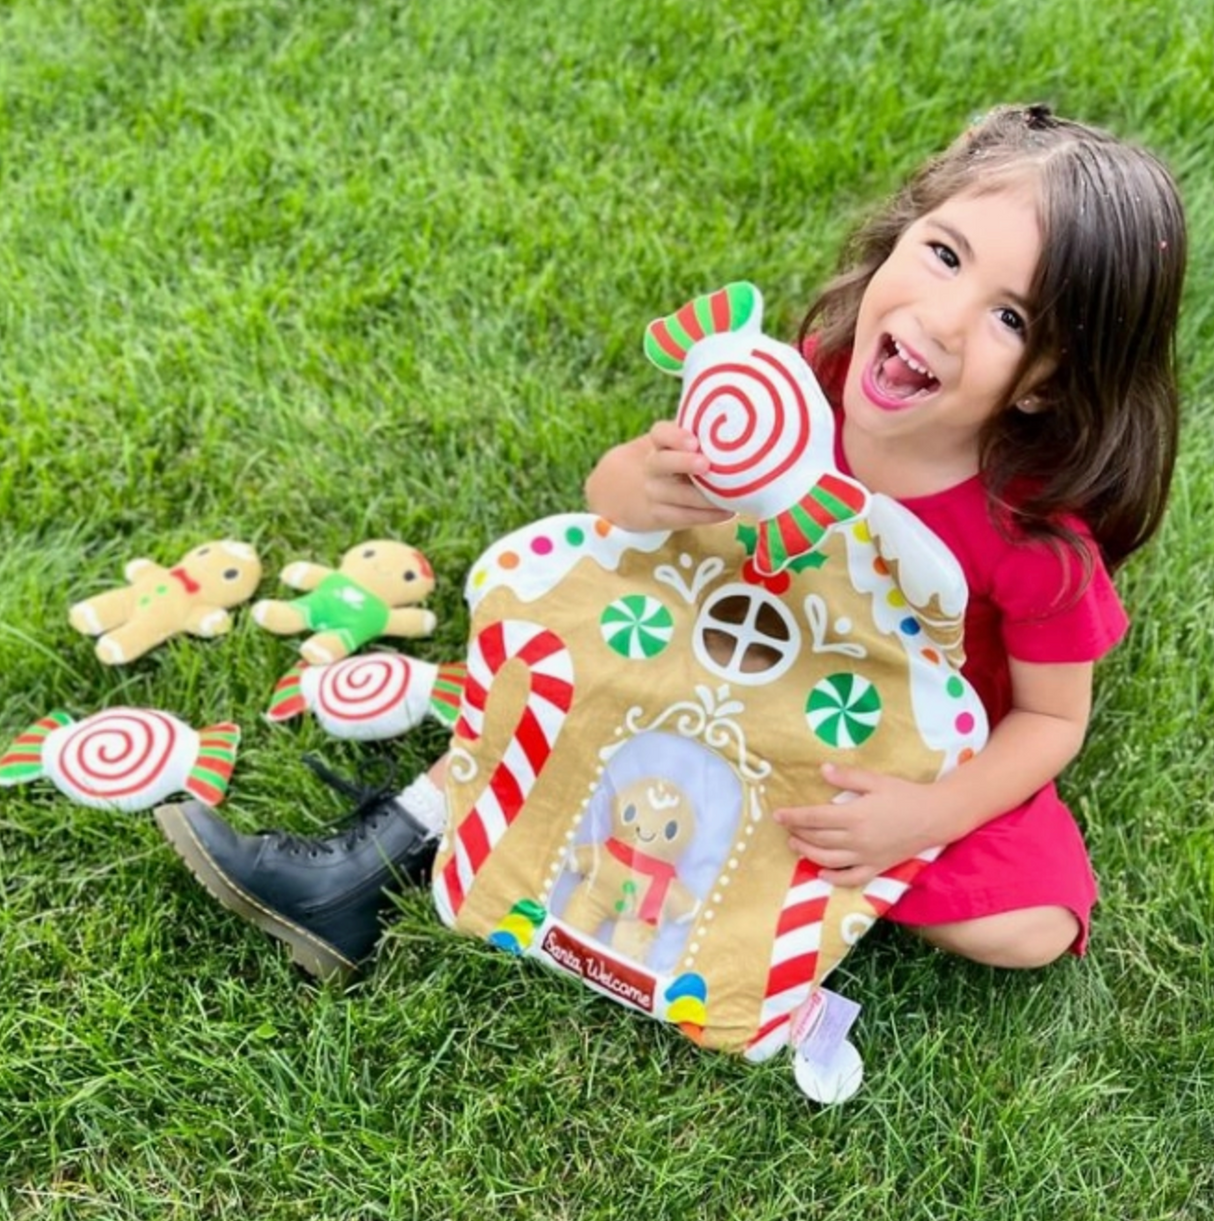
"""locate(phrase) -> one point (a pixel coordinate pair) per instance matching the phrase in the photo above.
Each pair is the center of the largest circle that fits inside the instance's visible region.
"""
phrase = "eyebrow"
(962, 243)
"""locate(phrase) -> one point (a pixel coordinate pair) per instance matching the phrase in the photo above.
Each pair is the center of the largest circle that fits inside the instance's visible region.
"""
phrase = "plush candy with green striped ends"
(288, 700)
(736, 307)
(23, 759)
(448, 691)
(208, 778)
(371, 696)
(124, 758)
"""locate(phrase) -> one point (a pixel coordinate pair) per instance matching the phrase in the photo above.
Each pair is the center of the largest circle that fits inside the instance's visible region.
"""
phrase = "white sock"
(426, 802)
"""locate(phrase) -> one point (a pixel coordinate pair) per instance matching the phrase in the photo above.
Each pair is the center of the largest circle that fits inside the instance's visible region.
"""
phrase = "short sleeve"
(1054, 611)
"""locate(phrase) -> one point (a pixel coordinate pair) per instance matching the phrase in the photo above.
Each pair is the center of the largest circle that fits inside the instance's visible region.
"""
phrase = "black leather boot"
(322, 897)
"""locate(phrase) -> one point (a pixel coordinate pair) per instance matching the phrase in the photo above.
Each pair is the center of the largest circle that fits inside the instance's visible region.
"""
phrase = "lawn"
(305, 272)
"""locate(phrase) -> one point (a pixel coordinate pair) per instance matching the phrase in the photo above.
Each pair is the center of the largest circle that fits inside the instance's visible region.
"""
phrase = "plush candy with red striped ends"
(736, 307)
(124, 759)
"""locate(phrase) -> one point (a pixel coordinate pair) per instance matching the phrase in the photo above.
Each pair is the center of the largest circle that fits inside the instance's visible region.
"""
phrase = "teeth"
(911, 362)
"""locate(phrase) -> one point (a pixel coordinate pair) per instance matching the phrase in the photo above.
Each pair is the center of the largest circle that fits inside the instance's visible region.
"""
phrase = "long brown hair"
(1106, 296)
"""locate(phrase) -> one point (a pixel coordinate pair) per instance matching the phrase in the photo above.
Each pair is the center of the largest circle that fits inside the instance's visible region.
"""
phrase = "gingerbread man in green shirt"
(370, 595)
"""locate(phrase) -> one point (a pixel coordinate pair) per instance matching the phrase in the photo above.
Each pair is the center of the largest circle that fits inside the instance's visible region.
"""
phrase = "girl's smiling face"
(941, 329)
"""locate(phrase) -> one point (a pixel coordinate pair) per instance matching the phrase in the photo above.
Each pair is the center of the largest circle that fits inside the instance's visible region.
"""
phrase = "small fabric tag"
(819, 1028)
(828, 1069)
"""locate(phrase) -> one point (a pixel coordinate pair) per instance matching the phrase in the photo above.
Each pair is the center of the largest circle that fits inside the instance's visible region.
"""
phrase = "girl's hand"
(645, 484)
(880, 823)
(888, 820)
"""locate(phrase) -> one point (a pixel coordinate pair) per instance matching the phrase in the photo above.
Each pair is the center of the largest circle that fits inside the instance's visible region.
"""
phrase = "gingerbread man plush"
(193, 596)
(371, 594)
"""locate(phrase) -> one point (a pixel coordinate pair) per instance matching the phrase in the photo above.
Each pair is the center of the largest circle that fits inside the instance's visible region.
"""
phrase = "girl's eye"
(1012, 320)
(946, 254)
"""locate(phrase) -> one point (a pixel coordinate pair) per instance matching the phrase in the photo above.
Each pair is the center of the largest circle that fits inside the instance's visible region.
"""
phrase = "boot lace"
(371, 807)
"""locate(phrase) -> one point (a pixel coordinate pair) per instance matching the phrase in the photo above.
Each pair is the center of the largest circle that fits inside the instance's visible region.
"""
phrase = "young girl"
(999, 349)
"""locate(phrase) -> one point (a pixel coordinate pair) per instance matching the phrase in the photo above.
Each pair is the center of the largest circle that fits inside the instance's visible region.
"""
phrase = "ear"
(1033, 392)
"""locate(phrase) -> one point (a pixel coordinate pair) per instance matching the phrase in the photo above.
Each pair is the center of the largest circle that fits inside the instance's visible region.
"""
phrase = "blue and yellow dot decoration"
(516, 929)
(686, 999)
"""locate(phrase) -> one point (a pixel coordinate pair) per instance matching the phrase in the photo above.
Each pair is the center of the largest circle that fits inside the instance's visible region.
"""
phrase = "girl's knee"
(1026, 939)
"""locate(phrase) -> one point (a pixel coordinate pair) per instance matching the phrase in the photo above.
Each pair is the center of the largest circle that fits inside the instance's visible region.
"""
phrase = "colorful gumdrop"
(124, 758)
(517, 928)
(686, 997)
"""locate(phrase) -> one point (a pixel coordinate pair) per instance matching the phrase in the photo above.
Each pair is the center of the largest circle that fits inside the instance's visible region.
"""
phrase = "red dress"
(1033, 603)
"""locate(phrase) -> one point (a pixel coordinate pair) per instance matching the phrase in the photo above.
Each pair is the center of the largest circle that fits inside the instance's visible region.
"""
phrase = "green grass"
(306, 272)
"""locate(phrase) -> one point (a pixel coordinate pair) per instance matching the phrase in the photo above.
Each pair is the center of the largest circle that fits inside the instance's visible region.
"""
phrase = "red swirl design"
(118, 753)
(752, 420)
(362, 688)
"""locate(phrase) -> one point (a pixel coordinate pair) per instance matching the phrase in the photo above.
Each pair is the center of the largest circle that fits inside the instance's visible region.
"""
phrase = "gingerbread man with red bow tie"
(193, 596)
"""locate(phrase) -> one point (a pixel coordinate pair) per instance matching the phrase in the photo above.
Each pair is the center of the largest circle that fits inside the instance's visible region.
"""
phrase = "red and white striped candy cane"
(798, 941)
(794, 958)
(550, 672)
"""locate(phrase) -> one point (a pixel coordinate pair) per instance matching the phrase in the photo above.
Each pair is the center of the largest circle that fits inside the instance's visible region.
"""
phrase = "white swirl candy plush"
(370, 696)
(761, 419)
(124, 759)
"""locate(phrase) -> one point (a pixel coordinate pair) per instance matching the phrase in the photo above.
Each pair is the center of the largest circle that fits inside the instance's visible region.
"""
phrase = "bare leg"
(1030, 937)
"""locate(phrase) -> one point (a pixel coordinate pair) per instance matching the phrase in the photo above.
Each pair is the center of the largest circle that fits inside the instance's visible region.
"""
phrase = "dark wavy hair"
(1105, 299)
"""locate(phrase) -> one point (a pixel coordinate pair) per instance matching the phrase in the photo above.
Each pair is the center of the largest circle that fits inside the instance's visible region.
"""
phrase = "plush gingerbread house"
(637, 705)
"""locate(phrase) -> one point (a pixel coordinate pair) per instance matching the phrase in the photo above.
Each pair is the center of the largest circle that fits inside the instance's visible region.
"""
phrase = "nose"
(946, 316)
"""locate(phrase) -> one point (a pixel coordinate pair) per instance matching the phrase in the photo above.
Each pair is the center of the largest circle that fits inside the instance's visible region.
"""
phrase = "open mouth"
(899, 375)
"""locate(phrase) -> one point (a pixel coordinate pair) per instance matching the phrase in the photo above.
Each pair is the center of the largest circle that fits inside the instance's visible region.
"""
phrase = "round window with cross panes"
(746, 635)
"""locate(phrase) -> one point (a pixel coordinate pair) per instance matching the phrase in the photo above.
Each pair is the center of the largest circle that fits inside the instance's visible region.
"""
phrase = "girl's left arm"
(889, 820)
